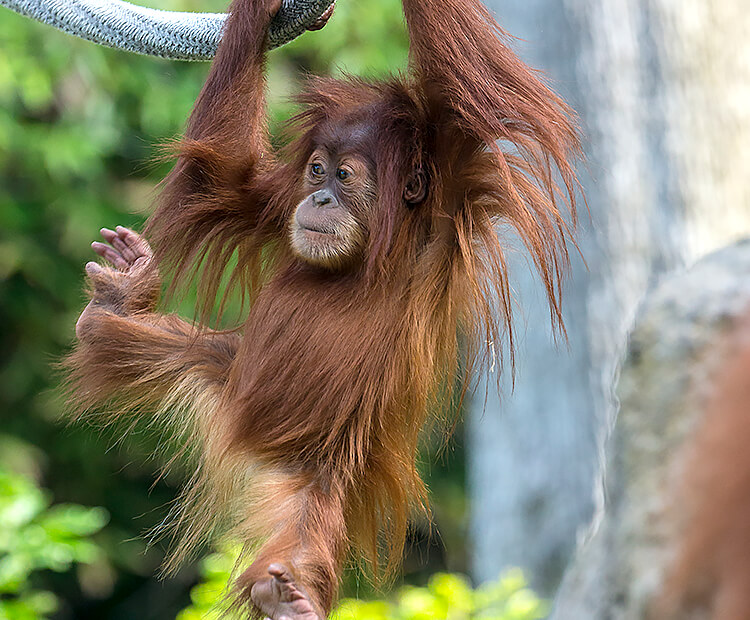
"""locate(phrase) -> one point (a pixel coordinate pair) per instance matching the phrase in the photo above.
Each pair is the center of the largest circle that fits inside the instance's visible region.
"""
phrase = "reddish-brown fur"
(711, 575)
(309, 421)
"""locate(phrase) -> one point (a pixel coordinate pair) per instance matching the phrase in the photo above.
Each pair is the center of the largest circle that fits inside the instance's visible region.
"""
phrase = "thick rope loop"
(168, 34)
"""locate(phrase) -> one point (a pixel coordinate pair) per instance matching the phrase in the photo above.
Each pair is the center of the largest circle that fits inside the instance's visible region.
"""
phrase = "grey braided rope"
(169, 34)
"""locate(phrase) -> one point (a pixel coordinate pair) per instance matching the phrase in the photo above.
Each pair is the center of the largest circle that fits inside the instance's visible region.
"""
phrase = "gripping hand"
(129, 284)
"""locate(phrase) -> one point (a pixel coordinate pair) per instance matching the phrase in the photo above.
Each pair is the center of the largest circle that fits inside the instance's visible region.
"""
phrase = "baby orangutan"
(366, 248)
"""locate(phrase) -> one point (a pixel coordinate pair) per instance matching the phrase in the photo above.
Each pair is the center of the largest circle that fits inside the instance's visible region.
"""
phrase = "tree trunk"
(662, 90)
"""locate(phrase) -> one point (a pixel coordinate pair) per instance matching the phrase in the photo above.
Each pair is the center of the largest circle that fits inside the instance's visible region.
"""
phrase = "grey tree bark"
(684, 332)
(662, 88)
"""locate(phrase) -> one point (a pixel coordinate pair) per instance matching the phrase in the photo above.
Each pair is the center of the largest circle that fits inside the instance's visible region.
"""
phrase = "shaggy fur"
(308, 422)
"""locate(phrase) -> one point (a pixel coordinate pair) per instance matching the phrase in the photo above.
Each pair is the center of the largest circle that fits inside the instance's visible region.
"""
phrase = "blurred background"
(662, 88)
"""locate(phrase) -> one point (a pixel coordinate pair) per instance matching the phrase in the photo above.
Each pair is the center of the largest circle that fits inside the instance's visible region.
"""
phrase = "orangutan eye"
(342, 174)
(317, 169)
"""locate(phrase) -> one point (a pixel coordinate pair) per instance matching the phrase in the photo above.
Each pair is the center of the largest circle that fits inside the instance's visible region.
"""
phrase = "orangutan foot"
(280, 598)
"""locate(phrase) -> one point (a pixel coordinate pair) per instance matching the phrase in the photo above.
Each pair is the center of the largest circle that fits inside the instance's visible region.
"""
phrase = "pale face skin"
(329, 227)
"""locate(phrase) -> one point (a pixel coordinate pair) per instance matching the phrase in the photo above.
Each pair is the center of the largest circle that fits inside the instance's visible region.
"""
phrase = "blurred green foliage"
(207, 597)
(450, 597)
(445, 597)
(79, 127)
(35, 536)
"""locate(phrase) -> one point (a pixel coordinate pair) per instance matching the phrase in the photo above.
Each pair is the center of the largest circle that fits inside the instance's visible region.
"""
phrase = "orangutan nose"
(322, 197)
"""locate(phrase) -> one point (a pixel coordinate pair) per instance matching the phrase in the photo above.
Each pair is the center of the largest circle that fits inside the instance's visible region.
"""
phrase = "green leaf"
(70, 520)
(20, 501)
(14, 572)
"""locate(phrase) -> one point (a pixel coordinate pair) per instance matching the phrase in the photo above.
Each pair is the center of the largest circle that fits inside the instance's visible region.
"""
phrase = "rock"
(674, 349)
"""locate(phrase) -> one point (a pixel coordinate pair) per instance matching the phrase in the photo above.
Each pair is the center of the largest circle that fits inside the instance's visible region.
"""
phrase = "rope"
(169, 34)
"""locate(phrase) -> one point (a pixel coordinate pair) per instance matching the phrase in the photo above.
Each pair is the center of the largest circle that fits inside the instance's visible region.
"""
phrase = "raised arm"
(508, 143)
(225, 192)
(225, 141)
(227, 125)
(463, 64)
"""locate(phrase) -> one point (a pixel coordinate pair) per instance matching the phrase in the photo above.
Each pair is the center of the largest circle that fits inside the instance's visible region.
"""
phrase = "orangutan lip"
(320, 231)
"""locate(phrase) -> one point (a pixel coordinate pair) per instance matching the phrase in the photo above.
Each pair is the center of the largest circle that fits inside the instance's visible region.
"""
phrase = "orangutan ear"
(416, 187)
